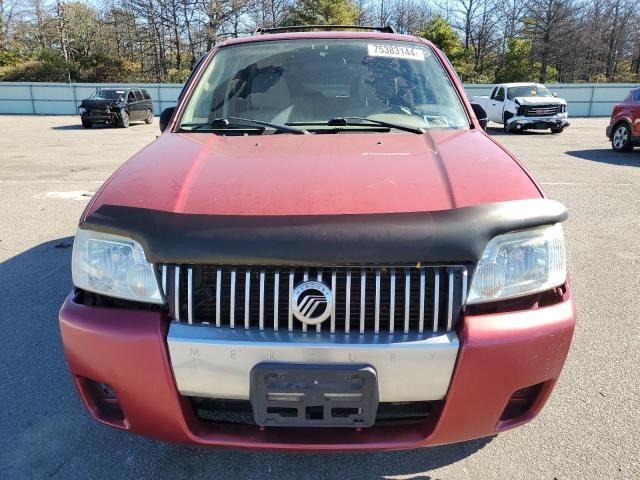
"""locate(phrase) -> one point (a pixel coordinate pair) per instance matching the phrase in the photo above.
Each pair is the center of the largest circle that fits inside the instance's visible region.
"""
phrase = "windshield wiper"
(343, 121)
(227, 122)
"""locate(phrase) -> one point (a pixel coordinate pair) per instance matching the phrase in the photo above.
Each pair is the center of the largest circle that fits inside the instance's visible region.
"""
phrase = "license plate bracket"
(335, 395)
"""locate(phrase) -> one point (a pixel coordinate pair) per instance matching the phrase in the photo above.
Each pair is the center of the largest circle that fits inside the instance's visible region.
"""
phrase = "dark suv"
(116, 106)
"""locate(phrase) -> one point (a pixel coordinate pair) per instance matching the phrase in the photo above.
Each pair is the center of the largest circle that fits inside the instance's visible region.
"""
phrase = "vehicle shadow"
(499, 132)
(95, 126)
(46, 431)
(607, 155)
(414, 464)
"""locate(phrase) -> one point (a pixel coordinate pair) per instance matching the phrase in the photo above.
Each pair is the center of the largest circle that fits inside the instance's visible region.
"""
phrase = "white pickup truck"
(524, 106)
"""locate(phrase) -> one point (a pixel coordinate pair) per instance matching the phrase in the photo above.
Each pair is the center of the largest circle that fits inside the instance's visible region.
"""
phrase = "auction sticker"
(396, 51)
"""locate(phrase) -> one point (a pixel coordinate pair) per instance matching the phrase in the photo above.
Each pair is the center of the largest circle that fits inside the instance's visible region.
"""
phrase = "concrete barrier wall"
(63, 98)
(585, 100)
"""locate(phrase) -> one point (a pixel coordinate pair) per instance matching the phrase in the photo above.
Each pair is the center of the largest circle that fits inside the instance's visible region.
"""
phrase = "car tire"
(505, 119)
(123, 120)
(87, 124)
(557, 130)
(621, 138)
(149, 119)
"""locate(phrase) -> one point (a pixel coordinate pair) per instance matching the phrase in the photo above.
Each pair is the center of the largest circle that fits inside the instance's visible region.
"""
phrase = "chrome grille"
(541, 110)
(389, 299)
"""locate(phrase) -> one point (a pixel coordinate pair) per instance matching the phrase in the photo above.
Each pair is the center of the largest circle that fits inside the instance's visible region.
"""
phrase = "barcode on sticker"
(396, 51)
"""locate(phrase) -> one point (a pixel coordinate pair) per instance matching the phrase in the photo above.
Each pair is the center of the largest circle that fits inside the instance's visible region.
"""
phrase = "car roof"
(373, 35)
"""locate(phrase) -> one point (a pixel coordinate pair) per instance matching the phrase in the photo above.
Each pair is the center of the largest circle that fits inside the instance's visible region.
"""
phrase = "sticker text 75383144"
(396, 51)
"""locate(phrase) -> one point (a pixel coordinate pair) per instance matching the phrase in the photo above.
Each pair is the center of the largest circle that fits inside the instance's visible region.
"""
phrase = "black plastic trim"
(455, 235)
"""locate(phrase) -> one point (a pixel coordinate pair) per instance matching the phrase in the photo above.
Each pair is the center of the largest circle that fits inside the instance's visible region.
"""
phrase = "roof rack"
(300, 28)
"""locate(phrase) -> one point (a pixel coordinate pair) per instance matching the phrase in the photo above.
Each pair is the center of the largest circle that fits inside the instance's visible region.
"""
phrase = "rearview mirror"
(165, 116)
(480, 114)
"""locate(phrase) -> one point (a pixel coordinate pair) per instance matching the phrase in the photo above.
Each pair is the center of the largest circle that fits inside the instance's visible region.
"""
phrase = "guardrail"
(31, 98)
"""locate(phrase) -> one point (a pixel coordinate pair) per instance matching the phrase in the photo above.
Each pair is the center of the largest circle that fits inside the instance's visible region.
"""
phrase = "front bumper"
(559, 120)
(108, 116)
(498, 355)
(216, 363)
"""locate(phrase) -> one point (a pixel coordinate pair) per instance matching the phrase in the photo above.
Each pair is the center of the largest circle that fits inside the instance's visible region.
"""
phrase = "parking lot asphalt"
(49, 167)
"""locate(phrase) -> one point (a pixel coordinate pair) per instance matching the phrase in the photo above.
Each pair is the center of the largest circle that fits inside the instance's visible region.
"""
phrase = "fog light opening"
(103, 401)
(521, 402)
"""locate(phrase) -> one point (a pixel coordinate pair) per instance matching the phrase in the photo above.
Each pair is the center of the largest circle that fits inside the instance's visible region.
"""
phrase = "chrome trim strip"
(333, 308)
(190, 295)
(247, 293)
(291, 273)
(216, 362)
(319, 278)
(261, 313)
(392, 302)
(347, 313)
(218, 295)
(305, 278)
(422, 286)
(450, 303)
(164, 280)
(276, 299)
(465, 274)
(363, 292)
(407, 299)
(232, 308)
(436, 299)
(176, 287)
(376, 324)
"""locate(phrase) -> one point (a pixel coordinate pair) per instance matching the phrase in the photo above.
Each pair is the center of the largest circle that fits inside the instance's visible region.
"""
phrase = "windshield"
(528, 91)
(310, 82)
(107, 94)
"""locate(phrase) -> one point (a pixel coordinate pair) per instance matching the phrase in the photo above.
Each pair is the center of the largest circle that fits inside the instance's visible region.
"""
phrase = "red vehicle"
(322, 251)
(624, 125)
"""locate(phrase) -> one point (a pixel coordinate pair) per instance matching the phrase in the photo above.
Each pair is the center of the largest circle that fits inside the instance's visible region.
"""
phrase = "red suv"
(624, 126)
(322, 251)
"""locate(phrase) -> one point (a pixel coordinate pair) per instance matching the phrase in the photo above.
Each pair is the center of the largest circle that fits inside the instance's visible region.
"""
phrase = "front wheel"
(87, 124)
(621, 139)
(557, 130)
(505, 126)
(149, 119)
(123, 121)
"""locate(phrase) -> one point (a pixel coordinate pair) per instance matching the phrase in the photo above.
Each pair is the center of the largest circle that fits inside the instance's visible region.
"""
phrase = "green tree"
(517, 61)
(322, 12)
(443, 36)
(441, 33)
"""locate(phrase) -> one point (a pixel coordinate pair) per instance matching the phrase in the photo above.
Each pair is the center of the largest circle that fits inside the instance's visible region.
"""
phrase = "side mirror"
(480, 114)
(555, 94)
(165, 116)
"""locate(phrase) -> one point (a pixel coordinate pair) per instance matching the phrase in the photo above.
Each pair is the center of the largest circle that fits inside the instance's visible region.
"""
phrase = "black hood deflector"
(456, 235)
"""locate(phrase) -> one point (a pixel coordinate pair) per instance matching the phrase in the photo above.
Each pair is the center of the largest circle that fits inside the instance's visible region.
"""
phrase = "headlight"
(113, 265)
(520, 263)
(82, 109)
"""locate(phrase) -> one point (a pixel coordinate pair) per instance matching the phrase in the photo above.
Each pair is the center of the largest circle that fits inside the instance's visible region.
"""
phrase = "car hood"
(540, 101)
(350, 173)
